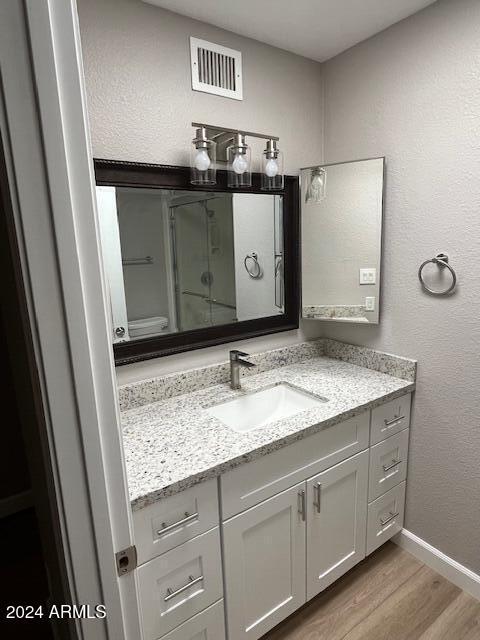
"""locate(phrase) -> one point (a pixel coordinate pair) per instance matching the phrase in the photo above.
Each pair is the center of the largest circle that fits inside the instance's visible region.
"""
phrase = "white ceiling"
(317, 29)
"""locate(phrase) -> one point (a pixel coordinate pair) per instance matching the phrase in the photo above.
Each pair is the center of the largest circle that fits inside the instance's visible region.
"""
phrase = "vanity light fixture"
(272, 167)
(316, 189)
(239, 162)
(203, 168)
(229, 146)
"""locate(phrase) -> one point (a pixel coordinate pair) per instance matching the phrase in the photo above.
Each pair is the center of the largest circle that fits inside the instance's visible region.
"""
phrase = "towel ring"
(441, 260)
(256, 271)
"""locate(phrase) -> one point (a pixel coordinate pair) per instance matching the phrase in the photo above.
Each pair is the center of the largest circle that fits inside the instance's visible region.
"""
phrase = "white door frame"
(44, 126)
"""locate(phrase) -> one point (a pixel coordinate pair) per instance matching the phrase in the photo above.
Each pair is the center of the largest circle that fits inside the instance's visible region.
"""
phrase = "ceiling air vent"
(216, 69)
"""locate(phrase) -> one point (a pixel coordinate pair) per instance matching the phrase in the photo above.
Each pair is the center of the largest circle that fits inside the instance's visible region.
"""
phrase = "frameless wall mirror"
(188, 267)
(342, 208)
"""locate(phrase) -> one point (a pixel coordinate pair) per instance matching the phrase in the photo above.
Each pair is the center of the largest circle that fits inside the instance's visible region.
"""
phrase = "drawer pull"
(394, 420)
(394, 463)
(192, 581)
(188, 518)
(302, 506)
(391, 517)
(317, 493)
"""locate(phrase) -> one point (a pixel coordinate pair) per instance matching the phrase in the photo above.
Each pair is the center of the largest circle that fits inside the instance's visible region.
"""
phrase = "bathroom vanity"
(234, 528)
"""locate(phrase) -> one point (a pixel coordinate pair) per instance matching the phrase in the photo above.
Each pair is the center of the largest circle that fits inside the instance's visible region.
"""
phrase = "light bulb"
(316, 192)
(317, 184)
(271, 168)
(239, 164)
(202, 161)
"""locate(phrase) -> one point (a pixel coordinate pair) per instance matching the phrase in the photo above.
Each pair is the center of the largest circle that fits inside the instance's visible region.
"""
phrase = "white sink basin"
(260, 408)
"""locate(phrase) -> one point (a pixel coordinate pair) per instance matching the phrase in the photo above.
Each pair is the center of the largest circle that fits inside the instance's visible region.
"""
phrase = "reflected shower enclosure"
(180, 260)
(203, 265)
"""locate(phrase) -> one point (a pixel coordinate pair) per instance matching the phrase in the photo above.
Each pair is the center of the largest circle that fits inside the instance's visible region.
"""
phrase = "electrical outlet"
(368, 276)
(370, 303)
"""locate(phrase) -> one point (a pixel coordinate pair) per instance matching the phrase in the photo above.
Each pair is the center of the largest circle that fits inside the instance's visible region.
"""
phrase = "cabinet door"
(337, 521)
(264, 562)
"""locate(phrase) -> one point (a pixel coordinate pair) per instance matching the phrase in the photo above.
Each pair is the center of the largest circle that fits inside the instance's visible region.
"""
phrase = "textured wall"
(141, 105)
(412, 93)
(140, 100)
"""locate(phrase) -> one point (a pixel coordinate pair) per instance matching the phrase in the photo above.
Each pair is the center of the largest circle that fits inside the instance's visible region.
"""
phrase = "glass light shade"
(272, 167)
(239, 163)
(316, 190)
(203, 167)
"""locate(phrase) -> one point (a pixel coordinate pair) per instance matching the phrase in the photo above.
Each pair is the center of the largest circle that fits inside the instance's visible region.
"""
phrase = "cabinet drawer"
(390, 418)
(388, 464)
(179, 584)
(258, 480)
(208, 625)
(385, 517)
(176, 519)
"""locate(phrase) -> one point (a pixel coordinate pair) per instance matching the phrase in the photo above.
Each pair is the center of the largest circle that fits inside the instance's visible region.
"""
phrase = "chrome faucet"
(236, 361)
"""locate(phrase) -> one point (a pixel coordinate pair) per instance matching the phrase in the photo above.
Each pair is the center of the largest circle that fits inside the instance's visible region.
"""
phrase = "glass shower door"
(203, 262)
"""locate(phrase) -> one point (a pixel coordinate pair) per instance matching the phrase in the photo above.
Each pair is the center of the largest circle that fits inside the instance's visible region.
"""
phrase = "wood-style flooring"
(389, 596)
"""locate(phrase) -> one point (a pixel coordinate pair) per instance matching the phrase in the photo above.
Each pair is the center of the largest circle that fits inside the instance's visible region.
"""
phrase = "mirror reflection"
(183, 260)
(341, 241)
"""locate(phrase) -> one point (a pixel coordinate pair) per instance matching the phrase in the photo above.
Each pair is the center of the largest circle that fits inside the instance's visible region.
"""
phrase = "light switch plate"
(370, 303)
(368, 276)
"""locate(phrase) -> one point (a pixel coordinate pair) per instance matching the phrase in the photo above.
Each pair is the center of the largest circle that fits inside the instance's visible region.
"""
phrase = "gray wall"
(412, 93)
(141, 105)
(140, 100)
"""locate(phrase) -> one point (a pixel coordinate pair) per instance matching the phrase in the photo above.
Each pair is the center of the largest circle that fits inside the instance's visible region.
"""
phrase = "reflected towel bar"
(134, 261)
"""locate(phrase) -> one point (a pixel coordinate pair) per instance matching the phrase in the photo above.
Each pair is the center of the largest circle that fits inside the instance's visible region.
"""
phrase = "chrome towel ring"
(441, 260)
(254, 270)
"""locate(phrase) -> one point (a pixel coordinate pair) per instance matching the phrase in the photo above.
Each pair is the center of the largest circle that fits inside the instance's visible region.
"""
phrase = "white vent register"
(216, 69)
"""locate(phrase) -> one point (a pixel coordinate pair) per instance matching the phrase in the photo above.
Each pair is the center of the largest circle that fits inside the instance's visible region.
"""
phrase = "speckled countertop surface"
(174, 443)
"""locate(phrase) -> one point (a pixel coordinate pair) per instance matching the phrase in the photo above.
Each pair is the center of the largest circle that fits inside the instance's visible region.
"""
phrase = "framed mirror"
(342, 211)
(190, 266)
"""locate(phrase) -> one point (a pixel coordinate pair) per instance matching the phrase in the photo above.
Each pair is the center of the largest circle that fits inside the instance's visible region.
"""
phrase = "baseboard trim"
(461, 576)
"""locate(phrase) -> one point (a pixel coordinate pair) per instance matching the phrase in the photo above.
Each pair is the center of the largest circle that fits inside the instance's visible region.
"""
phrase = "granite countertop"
(173, 443)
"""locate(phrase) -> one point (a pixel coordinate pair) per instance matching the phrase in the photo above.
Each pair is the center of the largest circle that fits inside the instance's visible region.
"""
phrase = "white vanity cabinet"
(290, 547)
(286, 526)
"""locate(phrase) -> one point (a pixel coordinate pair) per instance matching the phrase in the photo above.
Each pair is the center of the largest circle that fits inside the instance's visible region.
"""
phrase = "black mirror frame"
(133, 174)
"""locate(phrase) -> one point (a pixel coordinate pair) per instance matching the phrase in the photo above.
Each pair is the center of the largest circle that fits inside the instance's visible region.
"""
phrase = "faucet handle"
(235, 354)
